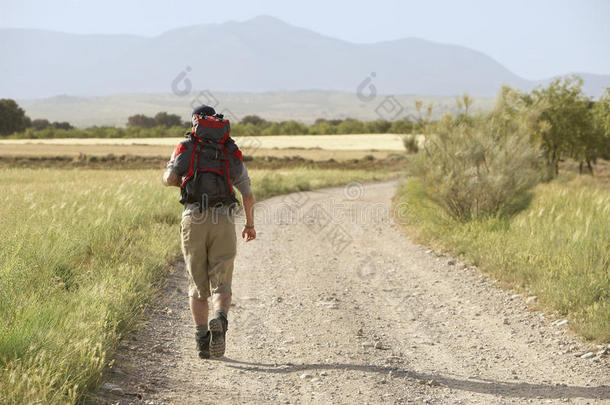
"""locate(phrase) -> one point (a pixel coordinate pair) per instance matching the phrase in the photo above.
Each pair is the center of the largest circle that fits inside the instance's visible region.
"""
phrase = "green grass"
(82, 253)
(557, 247)
(267, 183)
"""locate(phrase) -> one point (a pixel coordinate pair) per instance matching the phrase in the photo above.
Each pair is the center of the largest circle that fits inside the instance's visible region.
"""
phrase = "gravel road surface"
(334, 304)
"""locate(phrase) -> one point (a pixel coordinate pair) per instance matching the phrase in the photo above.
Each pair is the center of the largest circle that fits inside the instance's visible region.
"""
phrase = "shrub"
(40, 124)
(410, 143)
(478, 167)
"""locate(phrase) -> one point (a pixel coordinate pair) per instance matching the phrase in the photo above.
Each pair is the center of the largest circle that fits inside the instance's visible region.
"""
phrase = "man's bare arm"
(249, 233)
(249, 209)
(171, 179)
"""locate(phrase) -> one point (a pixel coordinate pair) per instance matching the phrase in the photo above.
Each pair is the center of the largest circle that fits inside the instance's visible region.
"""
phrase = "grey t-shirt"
(179, 164)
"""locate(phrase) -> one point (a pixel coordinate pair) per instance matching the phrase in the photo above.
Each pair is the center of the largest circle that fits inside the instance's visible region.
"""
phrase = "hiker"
(206, 166)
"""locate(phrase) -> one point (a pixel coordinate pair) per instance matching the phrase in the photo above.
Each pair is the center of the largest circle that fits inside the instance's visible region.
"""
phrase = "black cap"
(204, 110)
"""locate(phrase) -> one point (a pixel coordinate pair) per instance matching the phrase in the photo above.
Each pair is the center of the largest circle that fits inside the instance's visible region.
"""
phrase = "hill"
(258, 55)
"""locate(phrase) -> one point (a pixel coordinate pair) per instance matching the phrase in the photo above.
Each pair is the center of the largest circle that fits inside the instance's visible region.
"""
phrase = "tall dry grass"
(557, 247)
(82, 252)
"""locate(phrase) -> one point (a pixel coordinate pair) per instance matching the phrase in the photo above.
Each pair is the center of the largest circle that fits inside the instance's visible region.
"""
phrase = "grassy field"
(164, 151)
(557, 248)
(82, 254)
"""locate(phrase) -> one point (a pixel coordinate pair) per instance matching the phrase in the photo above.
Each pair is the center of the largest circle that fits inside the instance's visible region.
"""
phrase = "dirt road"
(333, 304)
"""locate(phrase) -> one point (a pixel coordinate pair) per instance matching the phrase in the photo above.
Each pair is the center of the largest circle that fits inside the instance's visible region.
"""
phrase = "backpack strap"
(197, 151)
(228, 173)
(192, 168)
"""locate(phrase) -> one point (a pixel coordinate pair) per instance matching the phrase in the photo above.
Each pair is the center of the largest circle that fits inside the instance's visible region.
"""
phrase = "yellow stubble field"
(316, 147)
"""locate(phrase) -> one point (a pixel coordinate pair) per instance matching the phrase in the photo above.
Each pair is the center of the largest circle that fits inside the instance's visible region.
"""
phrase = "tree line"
(170, 125)
(567, 123)
(14, 120)
(253, 125)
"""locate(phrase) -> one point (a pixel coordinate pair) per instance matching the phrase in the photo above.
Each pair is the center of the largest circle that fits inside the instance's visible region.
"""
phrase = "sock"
(202, 330)
(223, 316)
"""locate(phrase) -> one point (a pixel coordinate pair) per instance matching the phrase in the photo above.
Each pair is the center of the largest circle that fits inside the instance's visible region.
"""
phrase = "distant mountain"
(257, 55)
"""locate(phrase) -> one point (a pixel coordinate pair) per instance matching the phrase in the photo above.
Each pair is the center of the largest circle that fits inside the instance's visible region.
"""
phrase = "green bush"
(480, 166)
(410, 143)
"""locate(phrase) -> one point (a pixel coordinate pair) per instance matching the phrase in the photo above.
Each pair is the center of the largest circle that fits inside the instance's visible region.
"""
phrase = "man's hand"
(171, 179)
(248, 234)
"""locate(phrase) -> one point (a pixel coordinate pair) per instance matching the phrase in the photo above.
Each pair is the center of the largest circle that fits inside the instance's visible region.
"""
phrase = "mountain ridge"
(260, 54)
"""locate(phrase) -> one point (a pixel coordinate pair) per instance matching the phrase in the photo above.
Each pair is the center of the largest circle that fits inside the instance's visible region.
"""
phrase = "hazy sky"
(535, 39)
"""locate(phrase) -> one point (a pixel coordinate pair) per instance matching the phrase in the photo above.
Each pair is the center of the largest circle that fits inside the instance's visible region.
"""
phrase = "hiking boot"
(218, 329)
(203, 345)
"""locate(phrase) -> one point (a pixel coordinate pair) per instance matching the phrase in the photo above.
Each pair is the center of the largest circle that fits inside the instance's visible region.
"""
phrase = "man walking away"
(206, 166)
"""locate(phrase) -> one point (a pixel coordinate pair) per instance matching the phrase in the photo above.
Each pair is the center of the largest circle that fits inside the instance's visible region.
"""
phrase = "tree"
(40, 124)
(565, 122)
(322, 127)
(586, 145)
(253, 119)
(273, 129)
(601, 124)
(404, 126)
(351, 126)
(169, 120)
(141, 120)
(378, 126)
(293, 128)
(12, 117)
(62, 125)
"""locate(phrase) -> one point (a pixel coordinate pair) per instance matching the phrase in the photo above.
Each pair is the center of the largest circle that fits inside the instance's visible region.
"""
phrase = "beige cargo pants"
(209, 247)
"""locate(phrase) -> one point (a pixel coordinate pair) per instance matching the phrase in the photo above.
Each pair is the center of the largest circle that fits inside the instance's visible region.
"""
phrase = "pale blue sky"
(535, 39)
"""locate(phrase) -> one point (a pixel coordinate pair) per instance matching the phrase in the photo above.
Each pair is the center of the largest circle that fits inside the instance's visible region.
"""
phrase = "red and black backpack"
(215, 160)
